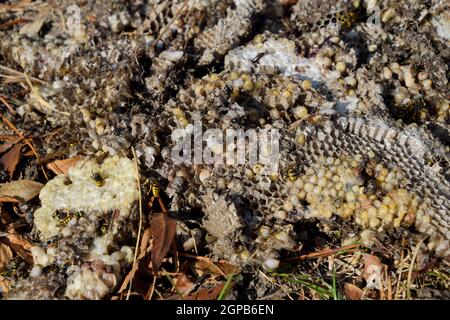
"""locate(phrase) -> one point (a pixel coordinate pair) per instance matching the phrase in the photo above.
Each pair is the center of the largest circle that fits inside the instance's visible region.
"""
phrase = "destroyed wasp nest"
(85, 218)
(362, 109)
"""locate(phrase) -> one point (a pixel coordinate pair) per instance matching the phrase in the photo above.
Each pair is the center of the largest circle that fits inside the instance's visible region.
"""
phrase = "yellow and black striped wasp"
(154, 191)
(98, 178)
(63, 216)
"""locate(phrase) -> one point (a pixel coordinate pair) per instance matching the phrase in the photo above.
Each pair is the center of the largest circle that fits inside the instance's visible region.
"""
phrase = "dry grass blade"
(20, 76)
(20, 190)
(411, 267)
(324, 253)
(10, 159)
(163, 230)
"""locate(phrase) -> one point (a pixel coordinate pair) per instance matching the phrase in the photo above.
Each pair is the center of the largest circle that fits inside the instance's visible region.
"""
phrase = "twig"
(136, 167)
(411, 266)
(21, 75)
(8, 106)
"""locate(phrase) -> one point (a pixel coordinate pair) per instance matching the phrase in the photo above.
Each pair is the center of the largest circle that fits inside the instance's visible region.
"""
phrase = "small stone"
(271, 264)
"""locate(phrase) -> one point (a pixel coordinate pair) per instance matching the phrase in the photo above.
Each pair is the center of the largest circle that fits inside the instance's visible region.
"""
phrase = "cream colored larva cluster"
(79, 192)
(336, 186)
(92, 191)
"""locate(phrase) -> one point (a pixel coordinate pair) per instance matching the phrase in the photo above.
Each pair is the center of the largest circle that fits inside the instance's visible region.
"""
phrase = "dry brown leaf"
(352, 292)
(19, 190)
(9, 142)
(5, 255)
(218, 268)
(206, 294)
(372, 271)
(10, 159)
(4, 285)
(184, 284)
(5, 147)
(163, 229)
(22, 252)
(145, 241)
(17, 240)
(63, 166)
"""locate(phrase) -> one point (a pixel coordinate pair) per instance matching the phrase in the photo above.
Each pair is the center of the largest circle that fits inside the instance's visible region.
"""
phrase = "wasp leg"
(150, 203)
(162, 205)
